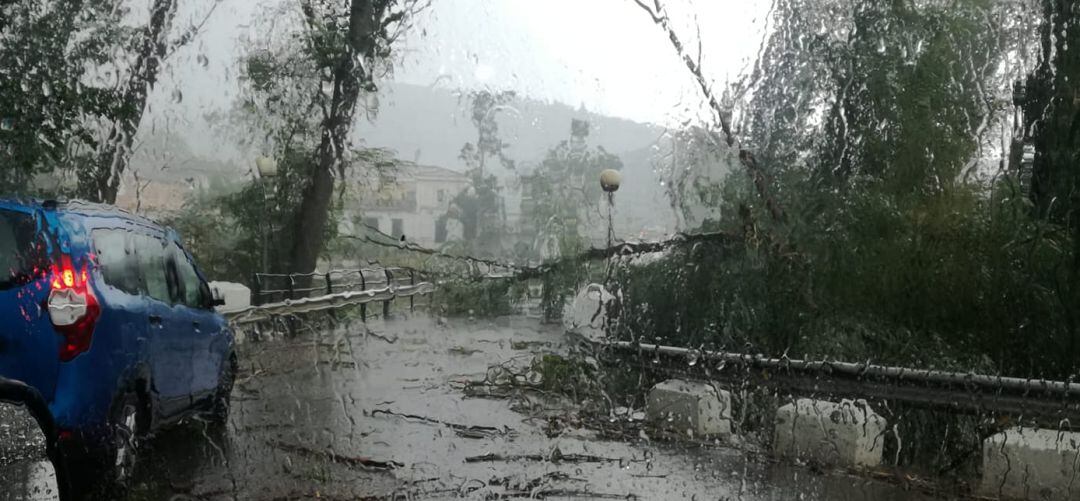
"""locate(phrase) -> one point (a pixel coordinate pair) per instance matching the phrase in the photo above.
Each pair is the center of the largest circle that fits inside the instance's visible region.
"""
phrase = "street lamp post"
(610, 179)
(267, 168)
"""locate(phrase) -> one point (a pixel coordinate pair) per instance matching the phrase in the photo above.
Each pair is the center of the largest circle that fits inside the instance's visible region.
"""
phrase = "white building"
(412, 204)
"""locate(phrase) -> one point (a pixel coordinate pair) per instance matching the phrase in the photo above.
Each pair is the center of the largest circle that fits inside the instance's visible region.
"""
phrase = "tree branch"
(527, 272)
(746, 158)
(192, 32)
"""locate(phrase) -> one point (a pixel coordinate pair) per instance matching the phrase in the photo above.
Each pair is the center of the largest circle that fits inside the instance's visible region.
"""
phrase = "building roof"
(429, 171)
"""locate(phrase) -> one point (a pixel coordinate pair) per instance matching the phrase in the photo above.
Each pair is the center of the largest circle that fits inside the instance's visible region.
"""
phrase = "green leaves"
(870, 118)
(44, 57)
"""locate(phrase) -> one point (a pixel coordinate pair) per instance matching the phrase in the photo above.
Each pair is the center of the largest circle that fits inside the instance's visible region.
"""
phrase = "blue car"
(109, 318)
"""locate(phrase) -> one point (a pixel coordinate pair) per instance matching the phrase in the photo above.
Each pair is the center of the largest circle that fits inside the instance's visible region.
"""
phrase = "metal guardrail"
(1049, 401)
(277, 287)
(335, 300)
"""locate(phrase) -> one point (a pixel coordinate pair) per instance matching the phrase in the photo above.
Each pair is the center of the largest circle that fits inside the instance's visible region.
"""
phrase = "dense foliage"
(74, 80)
(904, 240)
(564, 204)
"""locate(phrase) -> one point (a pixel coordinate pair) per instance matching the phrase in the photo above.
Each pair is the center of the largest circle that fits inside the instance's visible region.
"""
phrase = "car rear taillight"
(73, 308)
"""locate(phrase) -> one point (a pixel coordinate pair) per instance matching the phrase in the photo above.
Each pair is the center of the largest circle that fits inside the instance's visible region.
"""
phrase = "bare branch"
(524, 272)
(192, 32)
(656, 19)
(723, 117)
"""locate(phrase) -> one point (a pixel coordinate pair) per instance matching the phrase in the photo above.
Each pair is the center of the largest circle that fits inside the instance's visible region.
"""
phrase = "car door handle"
(155, 319)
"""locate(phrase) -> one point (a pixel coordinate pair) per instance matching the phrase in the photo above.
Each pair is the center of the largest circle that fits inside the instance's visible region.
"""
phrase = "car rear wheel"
(106, 473)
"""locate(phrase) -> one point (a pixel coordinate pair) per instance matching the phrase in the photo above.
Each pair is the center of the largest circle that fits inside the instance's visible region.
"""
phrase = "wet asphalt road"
(305, 424)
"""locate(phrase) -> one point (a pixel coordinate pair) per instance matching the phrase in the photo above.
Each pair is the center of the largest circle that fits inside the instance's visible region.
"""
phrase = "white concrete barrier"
(236, 296)
(691, 407)
(587, 315)
(1031, 463)
(847, 433)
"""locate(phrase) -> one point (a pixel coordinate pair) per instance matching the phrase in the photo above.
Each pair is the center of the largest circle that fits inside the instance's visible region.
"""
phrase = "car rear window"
(20, 249)
(119, 267)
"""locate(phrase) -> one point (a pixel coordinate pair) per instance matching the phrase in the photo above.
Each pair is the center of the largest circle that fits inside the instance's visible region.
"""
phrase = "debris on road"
(358, 461)
(465, 431)
(556, 456)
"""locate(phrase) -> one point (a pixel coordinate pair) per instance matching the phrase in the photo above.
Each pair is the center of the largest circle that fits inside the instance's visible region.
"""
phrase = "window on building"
(397, 227)
(440, 196)
(440, 230)
(372, 222)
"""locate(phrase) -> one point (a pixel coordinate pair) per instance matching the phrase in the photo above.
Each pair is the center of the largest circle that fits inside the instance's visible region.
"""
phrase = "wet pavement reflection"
(377, 412)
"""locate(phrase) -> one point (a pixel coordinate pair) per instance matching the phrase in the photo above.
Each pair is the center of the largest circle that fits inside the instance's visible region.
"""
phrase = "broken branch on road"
(357, 461)
(390, 340)
(564, 493)
(557, 456)
(466, 431)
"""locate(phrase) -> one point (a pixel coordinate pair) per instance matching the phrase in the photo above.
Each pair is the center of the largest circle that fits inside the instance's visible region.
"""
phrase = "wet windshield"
(626, 249)
(18, 249)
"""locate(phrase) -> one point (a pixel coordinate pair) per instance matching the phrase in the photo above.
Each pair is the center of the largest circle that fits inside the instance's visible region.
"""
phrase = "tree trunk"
(349, 80)
(1052, 109)
(113, 155)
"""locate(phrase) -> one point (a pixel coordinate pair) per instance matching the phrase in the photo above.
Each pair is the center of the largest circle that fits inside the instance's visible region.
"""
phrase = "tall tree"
(300, 94)
(565, 194)
(484, 107)
(1052, 118)
(74, 81)
(480, 208)
(1052, 112)
(345, 46)
(102, 182)
(48, 50)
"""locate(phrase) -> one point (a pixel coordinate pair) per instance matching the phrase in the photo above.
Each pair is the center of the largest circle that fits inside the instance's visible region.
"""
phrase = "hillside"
(429, 125)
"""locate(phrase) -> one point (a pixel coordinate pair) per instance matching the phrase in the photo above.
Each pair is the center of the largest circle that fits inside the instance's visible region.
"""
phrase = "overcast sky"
(604, 55)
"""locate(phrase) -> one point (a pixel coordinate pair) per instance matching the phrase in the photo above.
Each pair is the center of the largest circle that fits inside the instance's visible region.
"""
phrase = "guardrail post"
(363, 306)
(431, 295)
(292, 287)
(256, 290)
(412, 281)
(386, 304)
(329, 284)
